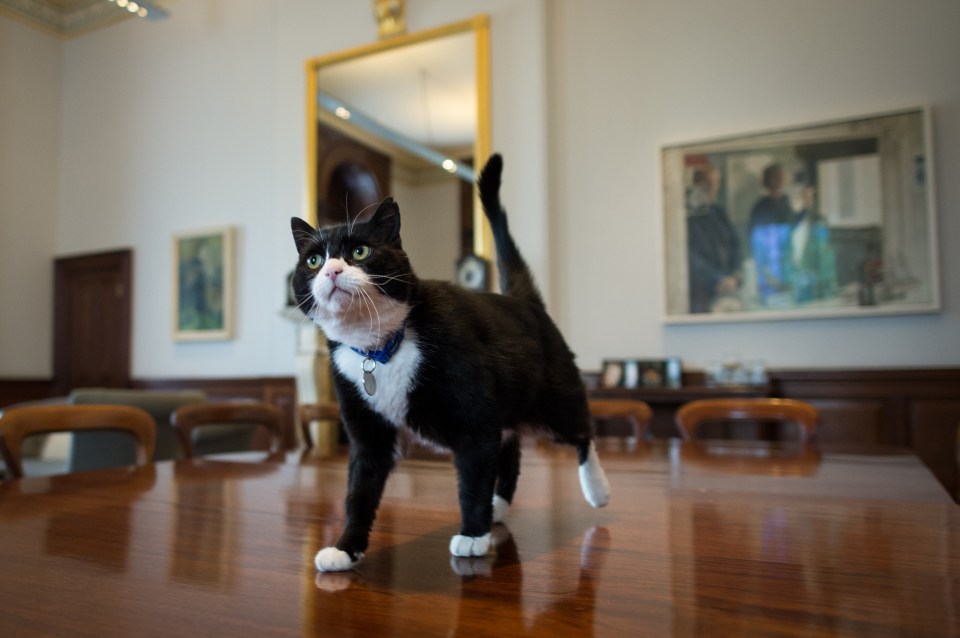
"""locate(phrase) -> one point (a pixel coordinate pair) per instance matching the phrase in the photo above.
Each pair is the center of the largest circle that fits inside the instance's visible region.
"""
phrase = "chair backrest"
(18, 423)
(328, 411)
(189, 417)
(90, 451)
(693, 414)
(634, 411)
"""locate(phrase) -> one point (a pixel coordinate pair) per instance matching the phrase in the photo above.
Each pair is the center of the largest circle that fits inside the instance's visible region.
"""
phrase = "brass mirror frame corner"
(479, 25)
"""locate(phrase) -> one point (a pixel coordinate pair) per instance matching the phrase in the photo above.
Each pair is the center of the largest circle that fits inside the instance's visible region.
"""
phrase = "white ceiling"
(426, 92)
(67, 18)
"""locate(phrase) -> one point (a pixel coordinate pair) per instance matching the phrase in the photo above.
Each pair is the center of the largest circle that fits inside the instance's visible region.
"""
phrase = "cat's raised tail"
(517, 281)
(515, 277)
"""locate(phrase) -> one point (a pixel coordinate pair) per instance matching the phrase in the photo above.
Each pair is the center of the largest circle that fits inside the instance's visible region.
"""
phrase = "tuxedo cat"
(460, 370)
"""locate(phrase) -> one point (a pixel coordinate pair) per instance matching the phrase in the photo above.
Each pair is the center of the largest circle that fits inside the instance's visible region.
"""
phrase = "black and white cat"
(460, 370)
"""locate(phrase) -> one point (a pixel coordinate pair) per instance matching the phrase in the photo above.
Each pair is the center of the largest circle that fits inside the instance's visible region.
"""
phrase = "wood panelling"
(932, 423)
(844, 421)
(916, 408)
(20, 390)
(895, 390)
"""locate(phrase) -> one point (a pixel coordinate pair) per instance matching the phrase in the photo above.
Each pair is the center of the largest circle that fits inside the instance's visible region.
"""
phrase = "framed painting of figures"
(826, 220)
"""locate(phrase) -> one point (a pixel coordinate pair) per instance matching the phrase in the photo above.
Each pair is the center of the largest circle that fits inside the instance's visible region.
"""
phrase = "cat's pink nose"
(333, 272)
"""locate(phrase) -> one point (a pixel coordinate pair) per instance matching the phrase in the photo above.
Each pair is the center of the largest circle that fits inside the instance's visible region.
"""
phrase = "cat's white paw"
(470, 545)
(500, 508)
(331, 559)
(593, 480)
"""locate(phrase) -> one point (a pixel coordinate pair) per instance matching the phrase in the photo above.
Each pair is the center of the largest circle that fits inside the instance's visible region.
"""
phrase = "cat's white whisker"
(372, 305)
(366, 306)
(377, 279)
(353, 299)
(400, 278)
(352, 222)
(346, 210)
(366, 208)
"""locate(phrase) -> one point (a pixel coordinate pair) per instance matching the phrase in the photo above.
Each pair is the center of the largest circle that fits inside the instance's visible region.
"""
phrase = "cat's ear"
(387, 219)
(303, 232)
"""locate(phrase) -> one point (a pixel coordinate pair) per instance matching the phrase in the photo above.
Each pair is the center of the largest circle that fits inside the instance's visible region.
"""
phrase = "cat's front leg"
(332, 559)
(370, 465)
(477, 474)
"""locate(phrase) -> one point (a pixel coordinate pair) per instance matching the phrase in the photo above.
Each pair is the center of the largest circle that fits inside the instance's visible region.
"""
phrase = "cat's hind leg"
(569, 419)
(593, 480)
(508, 470)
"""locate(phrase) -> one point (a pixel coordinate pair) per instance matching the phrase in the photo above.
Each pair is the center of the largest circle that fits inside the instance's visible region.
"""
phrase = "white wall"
(198, 120)
(195, 121)
(628, 77)
(167, 127)
(31, 69)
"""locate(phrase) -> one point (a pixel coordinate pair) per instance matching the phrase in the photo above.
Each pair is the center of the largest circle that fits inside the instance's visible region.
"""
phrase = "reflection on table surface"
(699, 539)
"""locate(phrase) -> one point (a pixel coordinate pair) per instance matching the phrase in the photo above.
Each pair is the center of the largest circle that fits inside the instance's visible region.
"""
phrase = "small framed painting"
(203, 285)
(828, 220)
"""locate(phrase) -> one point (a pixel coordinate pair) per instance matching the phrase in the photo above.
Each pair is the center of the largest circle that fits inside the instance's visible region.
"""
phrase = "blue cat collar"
(386, 353)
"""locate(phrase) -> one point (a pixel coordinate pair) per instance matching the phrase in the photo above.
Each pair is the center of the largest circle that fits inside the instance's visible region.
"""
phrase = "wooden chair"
(635, 412)
(18, 423)
(190, 417)
(95, 450)
(692, 415)
(308, 412)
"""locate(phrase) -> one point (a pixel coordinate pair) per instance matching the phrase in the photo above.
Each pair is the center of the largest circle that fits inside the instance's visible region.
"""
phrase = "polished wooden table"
(699, 540)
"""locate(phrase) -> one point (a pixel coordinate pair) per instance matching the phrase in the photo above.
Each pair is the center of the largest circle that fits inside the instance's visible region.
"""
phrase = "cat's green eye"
(361, 252)
(314, 261)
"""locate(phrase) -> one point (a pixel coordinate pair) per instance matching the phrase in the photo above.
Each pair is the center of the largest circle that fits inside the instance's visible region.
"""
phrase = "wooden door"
(92, 321)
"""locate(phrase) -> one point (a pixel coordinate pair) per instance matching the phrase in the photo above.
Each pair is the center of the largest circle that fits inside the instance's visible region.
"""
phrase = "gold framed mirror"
(404, 117)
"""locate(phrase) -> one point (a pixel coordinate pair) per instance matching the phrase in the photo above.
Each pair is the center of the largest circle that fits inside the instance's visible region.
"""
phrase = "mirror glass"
(404, 117)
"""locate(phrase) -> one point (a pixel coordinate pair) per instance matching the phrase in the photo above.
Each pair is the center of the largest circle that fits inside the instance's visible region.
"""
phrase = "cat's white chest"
(394, 379)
